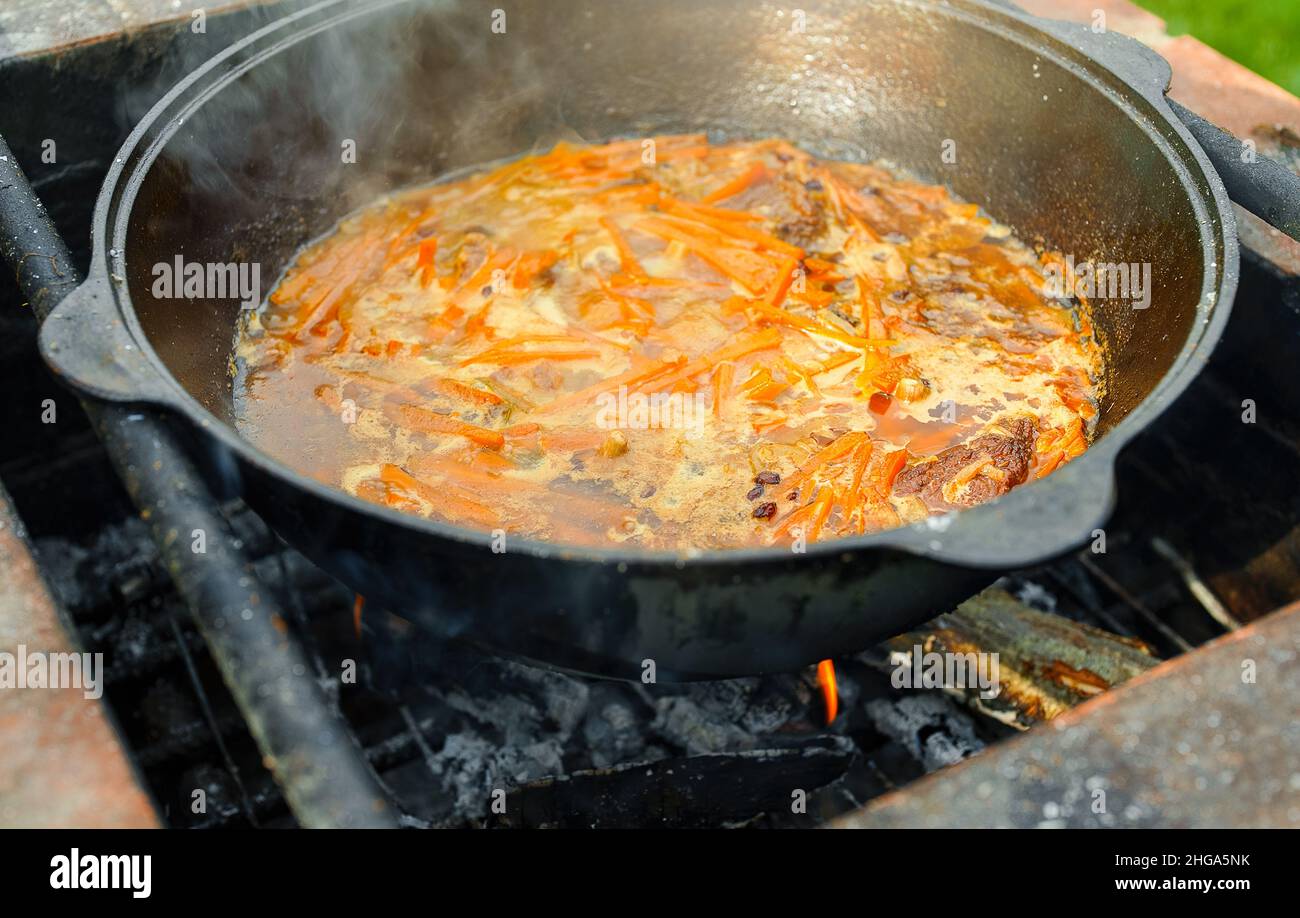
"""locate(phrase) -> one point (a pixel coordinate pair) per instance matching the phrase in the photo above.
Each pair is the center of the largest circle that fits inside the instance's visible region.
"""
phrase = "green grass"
(1263, 35)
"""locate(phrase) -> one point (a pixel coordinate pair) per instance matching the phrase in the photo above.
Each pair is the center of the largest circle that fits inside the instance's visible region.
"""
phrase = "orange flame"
(826, 679)
(357, 606)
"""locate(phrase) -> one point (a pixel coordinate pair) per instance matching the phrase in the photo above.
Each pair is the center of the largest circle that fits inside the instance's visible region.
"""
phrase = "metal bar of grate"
(206, 707)
(1134, 603)
(1195, 585)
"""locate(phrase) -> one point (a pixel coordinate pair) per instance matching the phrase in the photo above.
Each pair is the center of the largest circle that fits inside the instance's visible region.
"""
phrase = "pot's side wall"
(697, 622)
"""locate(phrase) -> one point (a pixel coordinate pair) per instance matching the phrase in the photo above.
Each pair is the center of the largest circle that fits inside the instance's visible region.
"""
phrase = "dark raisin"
(486, 291)
(813, 185)
(765, 510)
(767, 478)
(754, 493)
(794, 495)
(648, 492)
(900, 295)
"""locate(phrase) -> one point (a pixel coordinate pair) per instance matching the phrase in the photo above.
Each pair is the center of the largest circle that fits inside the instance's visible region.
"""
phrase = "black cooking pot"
(1058, 131)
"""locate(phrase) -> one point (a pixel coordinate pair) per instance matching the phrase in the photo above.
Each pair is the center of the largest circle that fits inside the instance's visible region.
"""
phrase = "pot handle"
(87, 344)
(1263, 186)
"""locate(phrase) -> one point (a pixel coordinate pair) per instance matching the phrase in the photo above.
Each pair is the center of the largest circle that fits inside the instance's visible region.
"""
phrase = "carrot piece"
(511, 350)
(573, 440)
(530, 265)
(817, 299)
(762, 387)
(814, 514)
(837, 360)
(759, 342)
(498, 261)
(510, 357)
(819, 266)
(428, 250)
(462, 392)
(837, 448)
(731, 231)
(813, 327)
(871, 312)
(763, 425)
(861, 457)
(722, 385)
(750, 268)
(884, 476)
(430, 422)
(777, 293)
(754, 173)
(619, 282)
(1050, 463)
(802, 375)
(444, 500)
(396, 250)
(847, 203)
(626, 257)
(628, 304)
(521, 430)
(493, 460)
(704, 212)
(633, 377)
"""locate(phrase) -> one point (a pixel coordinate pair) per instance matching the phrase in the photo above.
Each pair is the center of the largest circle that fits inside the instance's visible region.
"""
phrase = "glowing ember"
(826, 679)
(357, 606)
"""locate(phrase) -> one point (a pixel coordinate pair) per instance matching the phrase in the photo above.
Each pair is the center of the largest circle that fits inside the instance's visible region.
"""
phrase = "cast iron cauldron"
(1062, 133)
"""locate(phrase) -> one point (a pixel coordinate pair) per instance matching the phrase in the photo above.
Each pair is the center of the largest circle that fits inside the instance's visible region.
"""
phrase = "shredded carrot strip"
(734, 187)
(626, 257)
(837, 360)
(493, 460)
(631, 378)
(778, 291)
(861, 457)
(837, 448)
(482, 278)
(890, 467)
(431, 422)
(1050, 463)
(730, 231)
(810, 517)
(428, 249)
(722, 385)
(813, 327)
(459, 390)
(750, 268)
(758, 342)
(802, 375)
(573, 440)
(521, 430)
(762, 387)
(444, 499)
(508, 358)
(705, 213)
(511, 350)
(530, 265)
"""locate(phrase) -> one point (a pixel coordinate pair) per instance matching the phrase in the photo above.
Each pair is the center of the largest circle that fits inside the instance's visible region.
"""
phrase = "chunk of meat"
(972, 473)
(798, 212)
